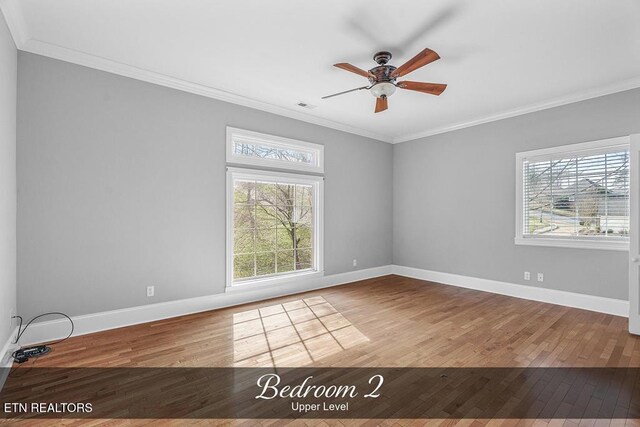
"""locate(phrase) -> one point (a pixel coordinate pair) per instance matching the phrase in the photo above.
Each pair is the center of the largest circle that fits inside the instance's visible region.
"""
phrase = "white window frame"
(235, 134)
(582, 242)
(234, 173)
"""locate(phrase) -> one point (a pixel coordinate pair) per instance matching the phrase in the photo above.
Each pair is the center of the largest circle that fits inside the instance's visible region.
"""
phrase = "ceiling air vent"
(305, 105)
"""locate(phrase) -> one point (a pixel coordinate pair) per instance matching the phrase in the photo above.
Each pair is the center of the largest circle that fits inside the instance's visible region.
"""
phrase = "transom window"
(576, 196)
(256, 149)
(274, 220)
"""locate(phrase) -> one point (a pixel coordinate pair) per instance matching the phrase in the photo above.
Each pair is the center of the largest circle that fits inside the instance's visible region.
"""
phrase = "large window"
(574, 196)
(274, 221)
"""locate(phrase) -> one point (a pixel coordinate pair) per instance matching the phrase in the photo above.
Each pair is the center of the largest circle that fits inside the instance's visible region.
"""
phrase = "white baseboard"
(5, 357)
(569, 299)
(89, 323)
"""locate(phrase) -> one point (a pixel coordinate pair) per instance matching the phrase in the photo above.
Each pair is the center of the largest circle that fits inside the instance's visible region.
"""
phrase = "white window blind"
(576, 194)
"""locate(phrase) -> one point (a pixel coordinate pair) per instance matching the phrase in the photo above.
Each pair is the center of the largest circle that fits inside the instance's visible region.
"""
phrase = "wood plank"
(383, 322)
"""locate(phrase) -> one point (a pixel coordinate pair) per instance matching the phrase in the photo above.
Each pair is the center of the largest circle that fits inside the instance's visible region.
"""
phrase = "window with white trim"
(574, 196)
(274, 219)
(257, 149)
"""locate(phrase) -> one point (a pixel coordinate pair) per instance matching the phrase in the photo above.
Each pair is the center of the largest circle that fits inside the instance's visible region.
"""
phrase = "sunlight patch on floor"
(291, 334)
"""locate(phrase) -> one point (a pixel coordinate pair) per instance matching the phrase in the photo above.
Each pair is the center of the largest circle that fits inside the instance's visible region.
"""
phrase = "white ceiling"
(499, 57)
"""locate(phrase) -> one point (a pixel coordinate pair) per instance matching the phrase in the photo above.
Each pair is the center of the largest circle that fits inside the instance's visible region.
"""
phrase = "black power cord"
(23, 354)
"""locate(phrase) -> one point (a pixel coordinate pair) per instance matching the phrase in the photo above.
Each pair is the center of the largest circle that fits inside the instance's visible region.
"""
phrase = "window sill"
(571, 243)
(249, 285)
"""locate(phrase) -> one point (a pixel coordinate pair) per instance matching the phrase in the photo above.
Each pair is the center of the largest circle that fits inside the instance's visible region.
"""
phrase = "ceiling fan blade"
(346, 91)
(425, 57)
(381, 104)
(430, 88)
(352, 68)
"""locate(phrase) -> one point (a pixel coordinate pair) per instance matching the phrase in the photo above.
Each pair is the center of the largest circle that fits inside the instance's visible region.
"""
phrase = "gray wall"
(454, 199)
(122, 185)
(8, 69)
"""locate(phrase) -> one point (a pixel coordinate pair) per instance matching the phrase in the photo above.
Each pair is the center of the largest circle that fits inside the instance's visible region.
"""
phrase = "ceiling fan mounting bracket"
(382, 57)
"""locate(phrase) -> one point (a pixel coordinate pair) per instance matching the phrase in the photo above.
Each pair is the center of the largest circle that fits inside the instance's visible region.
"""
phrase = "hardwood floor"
(385, 322)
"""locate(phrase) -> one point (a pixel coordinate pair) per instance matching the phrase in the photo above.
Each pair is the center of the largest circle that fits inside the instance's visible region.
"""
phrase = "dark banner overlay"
(363, 393)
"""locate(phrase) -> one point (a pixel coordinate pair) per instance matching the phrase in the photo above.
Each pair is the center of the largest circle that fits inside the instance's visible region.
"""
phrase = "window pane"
(303, 237)
(265, 263)
(303, 259)
(244, 192)
(243, 266)
(285, 215)
(285, 261)
(304, 216)
(265, 239)
(285, 241)
(244, 216)
(577, 196)
(272, 152)
(304, 195)
(286, 194)
(265, 216)
(243, 241)
(266, 193)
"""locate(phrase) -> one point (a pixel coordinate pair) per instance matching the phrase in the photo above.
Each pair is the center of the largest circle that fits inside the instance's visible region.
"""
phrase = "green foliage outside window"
(273, 228)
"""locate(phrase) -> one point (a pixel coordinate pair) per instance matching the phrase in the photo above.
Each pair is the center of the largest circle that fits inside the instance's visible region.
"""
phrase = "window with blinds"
(578, 193)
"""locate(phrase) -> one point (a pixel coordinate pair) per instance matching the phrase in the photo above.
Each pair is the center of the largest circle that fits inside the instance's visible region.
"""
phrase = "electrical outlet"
(540, 277)
(355, 262)
(151, 291)
(527, 275)
(12, 313)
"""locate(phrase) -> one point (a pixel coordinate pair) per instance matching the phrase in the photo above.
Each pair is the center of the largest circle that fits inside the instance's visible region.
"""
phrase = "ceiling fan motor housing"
(382, 74)
(380, 77)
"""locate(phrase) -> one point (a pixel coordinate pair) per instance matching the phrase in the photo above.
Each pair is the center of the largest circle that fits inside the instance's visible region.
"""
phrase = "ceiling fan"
(382, 78)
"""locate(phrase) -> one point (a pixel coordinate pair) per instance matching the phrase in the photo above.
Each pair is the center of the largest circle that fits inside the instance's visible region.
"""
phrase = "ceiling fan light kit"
(382, 78)
(382, 89)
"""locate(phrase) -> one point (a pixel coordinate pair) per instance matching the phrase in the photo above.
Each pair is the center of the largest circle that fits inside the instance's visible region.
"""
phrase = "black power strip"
(22, 355)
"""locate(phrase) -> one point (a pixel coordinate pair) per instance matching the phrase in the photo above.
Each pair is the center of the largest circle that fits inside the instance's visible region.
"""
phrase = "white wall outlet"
(12, 321)
(355, 262)
(151, 291)
(540, 277)
(527, 275)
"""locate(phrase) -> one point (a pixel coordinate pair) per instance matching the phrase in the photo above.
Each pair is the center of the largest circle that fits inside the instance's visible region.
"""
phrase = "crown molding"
(15, 21)
(92, 61)
(633, 83)
(19, 31)
(87, 60)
